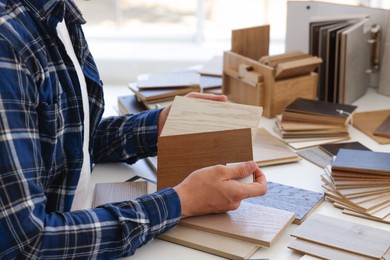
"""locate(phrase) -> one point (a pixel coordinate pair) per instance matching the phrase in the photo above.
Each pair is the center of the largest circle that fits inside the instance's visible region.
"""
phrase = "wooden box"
(250, 82)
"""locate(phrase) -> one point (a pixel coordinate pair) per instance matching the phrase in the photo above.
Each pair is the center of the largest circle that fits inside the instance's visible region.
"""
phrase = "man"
(51, 132)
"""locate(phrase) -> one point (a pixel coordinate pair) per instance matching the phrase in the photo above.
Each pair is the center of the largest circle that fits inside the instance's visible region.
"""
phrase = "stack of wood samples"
(331, 238)
(371, 123)
(311, 120)
(359, 183)
(301, 202)
(200, 133)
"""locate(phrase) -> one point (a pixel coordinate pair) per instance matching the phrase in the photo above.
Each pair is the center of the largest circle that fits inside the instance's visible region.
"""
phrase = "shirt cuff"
(145, 133)
(163, 209)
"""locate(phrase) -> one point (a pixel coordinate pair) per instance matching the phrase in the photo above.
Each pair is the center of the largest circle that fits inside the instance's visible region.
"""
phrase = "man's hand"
(164, 113)
(215, 189)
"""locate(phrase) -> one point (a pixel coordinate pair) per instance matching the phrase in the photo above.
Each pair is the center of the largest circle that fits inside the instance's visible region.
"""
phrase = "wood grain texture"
(384, 128)
(301, 202)
(344, 235)
(252, 223)
(211, 243)
(310, 142)
(368, 122)
(274, 60)
(362, 161)
(251, 42)
(192, 115)
(179, 155)
(118, 191)
(269, 150)
(322, 251)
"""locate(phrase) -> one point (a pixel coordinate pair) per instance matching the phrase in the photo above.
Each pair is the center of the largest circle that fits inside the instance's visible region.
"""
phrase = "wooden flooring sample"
(368, 122)
(362, 161)
(316, 156)
(344, 235)
(384, 128)
(324, 252)
(211, 243)
(179, 155)
(333, 149)
(269, 150)
(118, 191)
(310, 142)
(193, 115)
(301, 202)
(252, 223)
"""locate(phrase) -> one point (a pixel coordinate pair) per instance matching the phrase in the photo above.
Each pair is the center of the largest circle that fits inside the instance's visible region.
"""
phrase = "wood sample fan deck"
(359, 182)
(301, 202)
(200, 133)
(343, 235)
(252, 223)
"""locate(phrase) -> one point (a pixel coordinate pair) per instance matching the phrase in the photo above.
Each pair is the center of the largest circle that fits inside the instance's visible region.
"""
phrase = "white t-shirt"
(82, 199)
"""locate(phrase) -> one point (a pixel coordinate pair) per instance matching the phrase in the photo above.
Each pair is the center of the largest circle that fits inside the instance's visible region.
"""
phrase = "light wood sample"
(179, 155)
(301, 202)
(193, 115)
(118, 191)
(269, 150)
(252, 223)
(211, 243)
(297, 67)
(324, 252)
(251, 42)
(344, 235)
(316, 156)
(368, 122)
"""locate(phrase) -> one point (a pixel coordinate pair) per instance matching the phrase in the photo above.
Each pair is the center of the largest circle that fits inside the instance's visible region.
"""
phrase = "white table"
(302, 174)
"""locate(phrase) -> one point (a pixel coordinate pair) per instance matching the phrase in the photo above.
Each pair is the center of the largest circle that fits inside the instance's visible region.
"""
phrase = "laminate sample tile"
(362, 161)
(344, 235)
(118, 191)
(368, 122)
(333, 149)
(317, 156)
(180, 155)
(211, 243)
(384, 129)
(193, 115)
(324, 252)
(269, 150)
(301, 202)
(252, 223)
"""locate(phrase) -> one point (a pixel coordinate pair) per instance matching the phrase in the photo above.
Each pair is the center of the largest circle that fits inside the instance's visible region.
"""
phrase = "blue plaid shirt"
(41, 137)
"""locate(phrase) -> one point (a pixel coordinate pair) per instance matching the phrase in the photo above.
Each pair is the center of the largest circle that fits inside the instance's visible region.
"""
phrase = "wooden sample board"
(251, 42)
(252, 223)
(317, 156)
(193, 115)
(368, 122)
(344, 235)
(333, 149)
(209, 242)
(301, 202)
(118, 191)
(325, 252)
(269, 150)
(179, 155)
(384, 128)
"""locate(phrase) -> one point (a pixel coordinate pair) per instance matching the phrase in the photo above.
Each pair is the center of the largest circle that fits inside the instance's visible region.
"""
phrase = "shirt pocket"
(51, 126)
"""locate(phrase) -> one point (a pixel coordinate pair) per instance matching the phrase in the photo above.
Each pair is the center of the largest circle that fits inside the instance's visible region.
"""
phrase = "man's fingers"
(207, 96)
(241, 170)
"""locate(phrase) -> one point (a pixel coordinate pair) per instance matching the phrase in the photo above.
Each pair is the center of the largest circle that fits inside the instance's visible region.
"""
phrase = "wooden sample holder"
(200, 133)
(247, 81)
